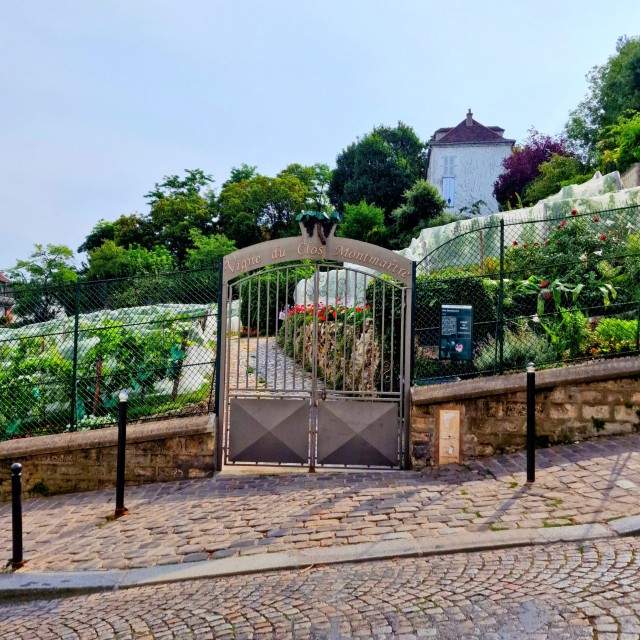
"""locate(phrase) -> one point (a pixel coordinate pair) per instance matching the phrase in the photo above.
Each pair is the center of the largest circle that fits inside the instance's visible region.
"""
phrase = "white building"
(464, 161)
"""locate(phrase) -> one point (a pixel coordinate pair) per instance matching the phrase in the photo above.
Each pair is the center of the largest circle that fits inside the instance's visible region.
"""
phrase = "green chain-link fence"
(68, 350)
(561, 289)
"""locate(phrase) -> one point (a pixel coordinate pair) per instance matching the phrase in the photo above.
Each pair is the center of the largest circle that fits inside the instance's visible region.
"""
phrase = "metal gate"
(315, 358)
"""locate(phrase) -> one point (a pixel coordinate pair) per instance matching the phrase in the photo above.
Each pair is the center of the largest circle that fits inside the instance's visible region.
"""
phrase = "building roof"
(470, 130)
(3, 278)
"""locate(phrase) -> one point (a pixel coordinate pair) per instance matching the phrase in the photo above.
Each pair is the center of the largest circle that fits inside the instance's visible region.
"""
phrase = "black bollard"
(17, 560)
(122, 443)
(531, 422)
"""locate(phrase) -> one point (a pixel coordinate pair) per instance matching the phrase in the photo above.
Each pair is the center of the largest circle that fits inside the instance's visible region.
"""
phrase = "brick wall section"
(572, 403)
(156, 452)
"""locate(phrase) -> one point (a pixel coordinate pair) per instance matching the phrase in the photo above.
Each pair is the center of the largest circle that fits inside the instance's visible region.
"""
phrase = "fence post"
(638, 329)
(501, 302)
(74, 372)
(531, 422)
(122, 442)
(216, 400)
(17, 559)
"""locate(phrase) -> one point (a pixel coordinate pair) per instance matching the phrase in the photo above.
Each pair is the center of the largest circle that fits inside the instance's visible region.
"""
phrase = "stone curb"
(61, 583)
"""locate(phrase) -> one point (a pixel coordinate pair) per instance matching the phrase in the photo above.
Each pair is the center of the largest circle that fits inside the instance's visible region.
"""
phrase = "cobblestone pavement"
(197, 520)
(556, 592)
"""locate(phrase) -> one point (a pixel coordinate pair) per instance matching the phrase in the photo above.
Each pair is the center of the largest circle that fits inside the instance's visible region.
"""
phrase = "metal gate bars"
(315, 361)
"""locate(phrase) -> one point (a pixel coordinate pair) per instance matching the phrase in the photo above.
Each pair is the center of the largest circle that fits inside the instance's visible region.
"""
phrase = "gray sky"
(100, 100)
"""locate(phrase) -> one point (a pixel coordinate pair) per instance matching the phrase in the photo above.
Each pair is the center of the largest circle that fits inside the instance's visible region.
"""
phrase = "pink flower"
(563, 223)
(596, 219)
(574, 212)
(603, 237)
(515, 243)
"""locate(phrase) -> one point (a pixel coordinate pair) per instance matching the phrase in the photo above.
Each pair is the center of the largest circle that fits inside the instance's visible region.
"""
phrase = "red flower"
(359, 309)
(603, 237)
(574, 212)
(563, 223)
(515, 243)
(596, 219)
(544, 284)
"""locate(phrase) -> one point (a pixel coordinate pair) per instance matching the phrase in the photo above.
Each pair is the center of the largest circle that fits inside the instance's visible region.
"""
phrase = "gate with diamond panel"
(314, 354)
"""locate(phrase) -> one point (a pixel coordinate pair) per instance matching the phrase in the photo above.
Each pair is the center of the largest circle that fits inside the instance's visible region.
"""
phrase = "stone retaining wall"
(83, 461)
(572, 403)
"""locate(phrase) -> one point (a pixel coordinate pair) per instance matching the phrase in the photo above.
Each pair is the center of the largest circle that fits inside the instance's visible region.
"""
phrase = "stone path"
(260, 364)
(560, 592)
(229, 515)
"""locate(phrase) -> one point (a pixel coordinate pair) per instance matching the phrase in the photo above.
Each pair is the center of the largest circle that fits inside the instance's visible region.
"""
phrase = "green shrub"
(521, 346)
(617, 330)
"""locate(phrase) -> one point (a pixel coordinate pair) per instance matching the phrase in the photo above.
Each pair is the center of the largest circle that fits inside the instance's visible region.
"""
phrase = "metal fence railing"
(68, 350)
(553, 291)
(561, 289)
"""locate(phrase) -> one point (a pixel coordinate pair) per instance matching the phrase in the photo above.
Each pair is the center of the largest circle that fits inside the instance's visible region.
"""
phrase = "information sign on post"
(456, 332)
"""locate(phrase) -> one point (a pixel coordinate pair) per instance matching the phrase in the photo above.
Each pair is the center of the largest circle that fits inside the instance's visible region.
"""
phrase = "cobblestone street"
(567, 591)
(231, 515)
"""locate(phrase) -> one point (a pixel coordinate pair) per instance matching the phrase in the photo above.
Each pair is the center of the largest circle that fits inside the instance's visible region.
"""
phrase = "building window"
(449, 167)
(448, 190)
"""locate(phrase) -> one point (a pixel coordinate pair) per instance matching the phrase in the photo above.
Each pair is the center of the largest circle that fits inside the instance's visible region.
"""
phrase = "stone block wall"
(156, 451)
(572, 403)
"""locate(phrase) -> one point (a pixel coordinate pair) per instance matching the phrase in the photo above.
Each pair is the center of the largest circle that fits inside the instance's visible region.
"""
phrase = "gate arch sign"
(288, 390)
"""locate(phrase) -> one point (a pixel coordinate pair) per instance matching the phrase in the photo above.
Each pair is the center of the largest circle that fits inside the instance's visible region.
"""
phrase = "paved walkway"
(559, 592)
(200, 520)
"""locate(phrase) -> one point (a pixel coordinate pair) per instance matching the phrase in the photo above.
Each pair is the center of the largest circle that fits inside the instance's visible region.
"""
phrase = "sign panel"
(448, 436)
(456, 332)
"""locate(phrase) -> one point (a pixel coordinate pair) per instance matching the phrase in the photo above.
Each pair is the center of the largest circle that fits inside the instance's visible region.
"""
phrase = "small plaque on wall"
(456, 332)
(448, 436)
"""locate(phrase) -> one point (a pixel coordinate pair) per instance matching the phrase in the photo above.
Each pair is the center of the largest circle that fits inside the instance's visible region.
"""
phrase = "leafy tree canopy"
(422, 204)
(207, 250)
(316, 179)
(102, 230)
(260, 208)
(619, 146)
(378, 168)
(238, 174)
(111, 261)
(363, 222)
(614, 88)
(48, 266)
(559, 171)
(51, 264)
(523, 166)
(195, 181)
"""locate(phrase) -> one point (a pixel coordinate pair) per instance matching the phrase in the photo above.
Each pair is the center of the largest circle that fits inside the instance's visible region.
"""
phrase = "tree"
(101, 231)
(523, 166)
(260, 208)
(36, 283)
(614, 88)
(133, 230)
(111, 261)
(422, 204)
(363, 222)
(316, 179)
(559, 171)
(207, 250)
(238, 174)
(378, 168)
(619, 146)
(192, 184)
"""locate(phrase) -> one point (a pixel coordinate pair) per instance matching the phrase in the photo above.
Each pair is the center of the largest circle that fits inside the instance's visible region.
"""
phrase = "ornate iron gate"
(315, 355)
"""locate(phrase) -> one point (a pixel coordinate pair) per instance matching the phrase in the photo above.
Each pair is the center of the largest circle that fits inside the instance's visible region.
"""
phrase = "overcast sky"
(100, 100)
